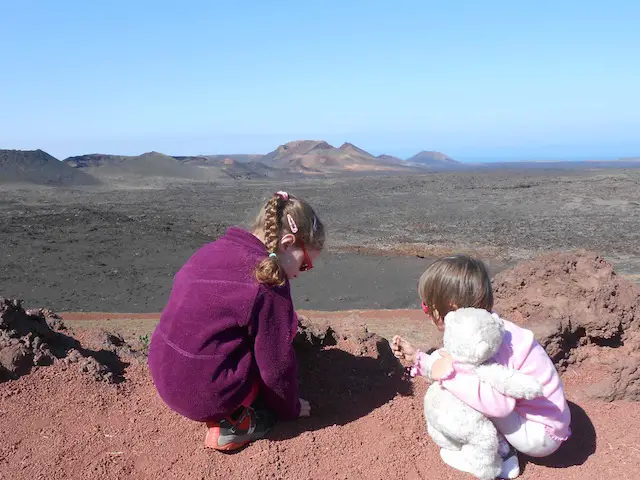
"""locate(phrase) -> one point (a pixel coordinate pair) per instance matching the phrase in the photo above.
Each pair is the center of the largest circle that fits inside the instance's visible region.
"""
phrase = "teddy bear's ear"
(482, 351)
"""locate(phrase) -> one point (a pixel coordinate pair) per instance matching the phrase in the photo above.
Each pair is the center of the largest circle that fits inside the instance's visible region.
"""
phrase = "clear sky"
(478, 80)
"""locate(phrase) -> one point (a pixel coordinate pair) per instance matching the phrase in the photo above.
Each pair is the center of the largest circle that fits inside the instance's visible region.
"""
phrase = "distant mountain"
(390, 159)
(94, 160)
(318, 156)
(238, 157)
(351, 149)
(38, 167)
(430, 158)
(300, 157)
(155, 164)
(235, 166)
(290, 155)
(293, 159)
(197, 160)
(158, 165)
(150, 164)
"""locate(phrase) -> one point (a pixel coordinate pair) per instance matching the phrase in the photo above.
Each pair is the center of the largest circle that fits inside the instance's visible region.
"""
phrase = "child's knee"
(541, 449)
(534, 442)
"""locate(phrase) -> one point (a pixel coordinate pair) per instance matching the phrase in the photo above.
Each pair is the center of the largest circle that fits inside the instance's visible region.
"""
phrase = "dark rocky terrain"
(96, 248)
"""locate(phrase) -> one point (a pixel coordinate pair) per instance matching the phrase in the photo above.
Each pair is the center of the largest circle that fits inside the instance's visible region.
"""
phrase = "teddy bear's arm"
(509, 382)
(467, 386)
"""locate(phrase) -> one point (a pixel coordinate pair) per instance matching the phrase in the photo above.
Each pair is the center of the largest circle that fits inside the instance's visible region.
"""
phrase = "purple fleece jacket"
(221, 331)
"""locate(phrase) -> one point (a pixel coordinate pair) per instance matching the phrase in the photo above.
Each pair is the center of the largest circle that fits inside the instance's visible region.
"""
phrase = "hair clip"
(315, 223)
(283, 195)
(292, 224)
(272, 255)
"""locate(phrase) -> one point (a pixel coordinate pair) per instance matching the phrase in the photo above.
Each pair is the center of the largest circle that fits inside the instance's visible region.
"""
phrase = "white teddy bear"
(472, 337)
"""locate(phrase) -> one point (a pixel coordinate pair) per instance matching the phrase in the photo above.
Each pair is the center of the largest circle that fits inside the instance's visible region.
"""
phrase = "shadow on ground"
(343, 387)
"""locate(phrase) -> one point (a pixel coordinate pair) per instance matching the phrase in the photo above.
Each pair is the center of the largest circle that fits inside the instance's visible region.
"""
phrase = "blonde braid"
(271, 224)
(268, 270)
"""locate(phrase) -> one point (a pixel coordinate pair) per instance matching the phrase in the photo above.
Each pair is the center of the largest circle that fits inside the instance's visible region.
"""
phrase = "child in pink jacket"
(534, 427)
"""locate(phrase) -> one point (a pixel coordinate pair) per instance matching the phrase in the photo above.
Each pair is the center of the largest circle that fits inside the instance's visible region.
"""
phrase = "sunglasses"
(306, 264)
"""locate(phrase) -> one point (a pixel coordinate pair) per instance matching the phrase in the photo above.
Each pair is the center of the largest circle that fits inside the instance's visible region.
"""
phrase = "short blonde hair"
(457, 281)
(269, 221)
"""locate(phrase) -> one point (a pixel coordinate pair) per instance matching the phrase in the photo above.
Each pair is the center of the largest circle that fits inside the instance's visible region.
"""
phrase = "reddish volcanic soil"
(76, 402)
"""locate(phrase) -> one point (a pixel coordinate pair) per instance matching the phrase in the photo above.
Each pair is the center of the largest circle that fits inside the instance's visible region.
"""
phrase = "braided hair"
(269, 270)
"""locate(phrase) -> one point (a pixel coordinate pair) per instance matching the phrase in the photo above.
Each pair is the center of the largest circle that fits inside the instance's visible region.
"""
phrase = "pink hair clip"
(292, 224)
(283, 195)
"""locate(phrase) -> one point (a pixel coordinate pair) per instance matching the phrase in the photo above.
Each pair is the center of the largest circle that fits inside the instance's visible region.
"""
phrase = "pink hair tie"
(283, 195)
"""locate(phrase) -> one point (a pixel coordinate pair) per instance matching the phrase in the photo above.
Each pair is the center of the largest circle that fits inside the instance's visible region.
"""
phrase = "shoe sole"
(230, 443)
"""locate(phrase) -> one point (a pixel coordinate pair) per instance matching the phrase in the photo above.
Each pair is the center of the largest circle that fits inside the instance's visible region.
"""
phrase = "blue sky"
(479, 80)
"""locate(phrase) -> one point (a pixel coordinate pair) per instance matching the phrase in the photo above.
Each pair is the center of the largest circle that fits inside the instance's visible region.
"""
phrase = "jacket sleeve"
(423, 364)
(274, 353)
(467, 387)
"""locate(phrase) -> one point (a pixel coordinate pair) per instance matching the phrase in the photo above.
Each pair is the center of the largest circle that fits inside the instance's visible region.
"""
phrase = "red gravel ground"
(58, 422)
(73, 420)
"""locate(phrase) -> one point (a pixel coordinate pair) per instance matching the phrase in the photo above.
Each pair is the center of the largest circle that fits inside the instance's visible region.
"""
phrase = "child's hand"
(305, 408)
(403, 349)
(442, 367)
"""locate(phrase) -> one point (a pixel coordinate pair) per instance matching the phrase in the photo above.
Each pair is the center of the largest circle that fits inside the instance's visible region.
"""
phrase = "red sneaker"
(229, 434)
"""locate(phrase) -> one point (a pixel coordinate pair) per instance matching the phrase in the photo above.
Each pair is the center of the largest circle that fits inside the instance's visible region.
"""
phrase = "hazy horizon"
(469, 155)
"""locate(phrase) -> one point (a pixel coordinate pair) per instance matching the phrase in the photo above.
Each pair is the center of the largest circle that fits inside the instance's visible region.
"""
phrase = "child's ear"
(437, 320)
(287, 240)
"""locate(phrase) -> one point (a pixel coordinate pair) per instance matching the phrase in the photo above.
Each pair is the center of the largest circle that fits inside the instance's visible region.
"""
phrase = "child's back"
(201, 353)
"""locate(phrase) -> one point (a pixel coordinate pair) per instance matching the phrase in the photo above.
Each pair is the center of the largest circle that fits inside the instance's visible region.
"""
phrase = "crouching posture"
(472, 336)
(505, 390)
(222, 353)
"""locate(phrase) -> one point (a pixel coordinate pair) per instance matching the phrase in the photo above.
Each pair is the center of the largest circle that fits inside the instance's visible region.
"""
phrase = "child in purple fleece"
(222, 353)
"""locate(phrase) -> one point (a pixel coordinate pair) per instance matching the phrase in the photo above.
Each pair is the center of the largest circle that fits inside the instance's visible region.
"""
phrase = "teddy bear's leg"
(481, 452)
(440, 439)
(482, 463)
